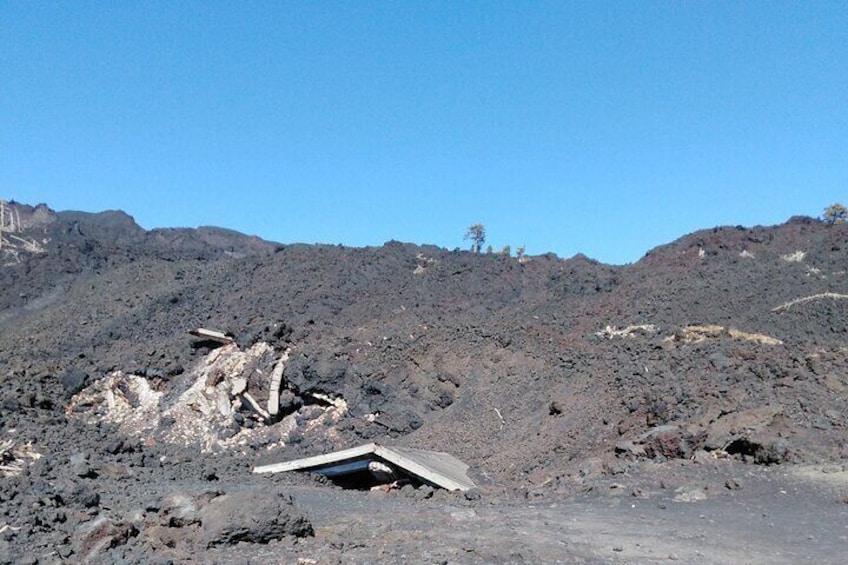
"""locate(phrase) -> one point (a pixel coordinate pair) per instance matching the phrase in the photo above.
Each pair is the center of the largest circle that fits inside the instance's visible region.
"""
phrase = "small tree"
(477, 235)
(520, 252)
(835, 214)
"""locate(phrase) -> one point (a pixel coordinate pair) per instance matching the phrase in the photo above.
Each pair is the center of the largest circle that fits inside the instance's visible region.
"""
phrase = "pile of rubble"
(230, 398)
(697, 334)
(14, 459)
(12, 243)
(610, 332)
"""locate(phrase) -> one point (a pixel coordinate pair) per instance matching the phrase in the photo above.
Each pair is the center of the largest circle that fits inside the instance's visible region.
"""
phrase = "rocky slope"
(542, 373)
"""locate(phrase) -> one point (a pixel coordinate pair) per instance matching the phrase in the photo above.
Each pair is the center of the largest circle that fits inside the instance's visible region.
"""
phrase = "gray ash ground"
(689, 407)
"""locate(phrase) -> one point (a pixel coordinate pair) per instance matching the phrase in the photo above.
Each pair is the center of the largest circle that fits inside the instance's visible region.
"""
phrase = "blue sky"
(603, 128)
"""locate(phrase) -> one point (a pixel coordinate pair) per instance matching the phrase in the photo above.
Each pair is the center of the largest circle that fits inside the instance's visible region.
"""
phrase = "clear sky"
(604, 128)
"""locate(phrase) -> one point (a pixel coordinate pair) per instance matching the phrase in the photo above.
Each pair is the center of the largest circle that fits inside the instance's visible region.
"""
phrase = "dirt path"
(775, 515)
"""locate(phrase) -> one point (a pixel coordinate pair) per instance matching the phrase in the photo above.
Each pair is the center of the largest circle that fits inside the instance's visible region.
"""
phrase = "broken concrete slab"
(432, 467)
(212, 335)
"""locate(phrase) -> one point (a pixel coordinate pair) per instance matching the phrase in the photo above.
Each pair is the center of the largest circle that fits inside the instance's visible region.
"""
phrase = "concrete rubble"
(15, 458)
(230, 398)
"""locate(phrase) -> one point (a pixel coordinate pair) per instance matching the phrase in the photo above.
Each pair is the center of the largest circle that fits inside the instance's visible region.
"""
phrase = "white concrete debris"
(796, 257)
(15, 458)
(276, 380)
(204, 414)
(610, 332)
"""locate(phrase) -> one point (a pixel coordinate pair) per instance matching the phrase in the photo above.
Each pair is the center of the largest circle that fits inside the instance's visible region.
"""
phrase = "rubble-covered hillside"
(539, 373)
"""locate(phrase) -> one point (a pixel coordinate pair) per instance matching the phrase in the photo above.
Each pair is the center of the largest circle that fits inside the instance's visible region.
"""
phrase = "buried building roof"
(434, 467)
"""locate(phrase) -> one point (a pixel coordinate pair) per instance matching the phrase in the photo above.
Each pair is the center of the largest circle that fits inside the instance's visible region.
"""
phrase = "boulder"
(248, 516)
(179, 509)
(96, 536)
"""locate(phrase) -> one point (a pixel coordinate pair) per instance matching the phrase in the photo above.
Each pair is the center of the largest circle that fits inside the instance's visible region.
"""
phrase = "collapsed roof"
(432, 467)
